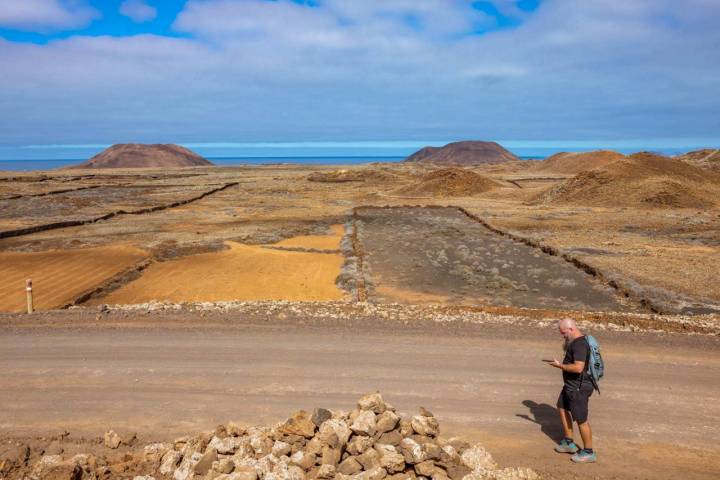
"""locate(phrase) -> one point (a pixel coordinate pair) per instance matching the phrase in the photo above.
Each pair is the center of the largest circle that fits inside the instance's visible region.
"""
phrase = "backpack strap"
(587, 369)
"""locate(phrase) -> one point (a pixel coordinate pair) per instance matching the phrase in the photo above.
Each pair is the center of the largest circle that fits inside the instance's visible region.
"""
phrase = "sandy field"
(242, 272)
(59, 277)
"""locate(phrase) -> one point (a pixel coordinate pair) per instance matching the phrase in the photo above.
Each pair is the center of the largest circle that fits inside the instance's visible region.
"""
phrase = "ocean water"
(52, 164)
(31, 165)
(50, 157)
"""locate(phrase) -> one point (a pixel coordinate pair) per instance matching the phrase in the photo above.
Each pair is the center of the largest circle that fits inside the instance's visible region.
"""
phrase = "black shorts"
(576, 401)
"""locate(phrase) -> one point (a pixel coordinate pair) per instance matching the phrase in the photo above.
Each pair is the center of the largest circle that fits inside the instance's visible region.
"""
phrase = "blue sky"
(591, 72)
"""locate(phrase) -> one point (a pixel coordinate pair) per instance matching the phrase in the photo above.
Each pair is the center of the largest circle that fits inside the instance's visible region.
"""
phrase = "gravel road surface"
(168, 375)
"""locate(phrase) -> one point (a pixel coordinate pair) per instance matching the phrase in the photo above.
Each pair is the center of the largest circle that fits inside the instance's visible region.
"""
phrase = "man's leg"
(566, 421)
(566, 445)
(580, 414)
(586, 434)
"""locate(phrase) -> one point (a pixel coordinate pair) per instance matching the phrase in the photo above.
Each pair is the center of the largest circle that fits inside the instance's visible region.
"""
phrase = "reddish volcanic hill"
(135, 155)
(642, 179)
(463, 153)
(567, 162)
(449, 182)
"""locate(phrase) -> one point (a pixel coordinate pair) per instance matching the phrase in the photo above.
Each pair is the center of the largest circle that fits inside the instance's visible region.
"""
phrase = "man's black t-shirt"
(576, 350)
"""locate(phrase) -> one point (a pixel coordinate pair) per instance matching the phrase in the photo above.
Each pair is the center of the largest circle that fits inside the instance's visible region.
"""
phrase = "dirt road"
(658, 416)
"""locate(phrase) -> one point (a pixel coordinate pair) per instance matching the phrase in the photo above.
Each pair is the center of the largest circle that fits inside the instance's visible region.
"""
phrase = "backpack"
(595, 364)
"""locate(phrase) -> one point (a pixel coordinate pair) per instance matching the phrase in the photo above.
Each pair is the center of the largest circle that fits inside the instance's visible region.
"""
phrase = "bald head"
(567, 323)
(569, 329)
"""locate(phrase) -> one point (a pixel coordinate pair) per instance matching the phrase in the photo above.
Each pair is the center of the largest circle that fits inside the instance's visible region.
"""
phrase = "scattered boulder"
(320, 415)
(205, 462)
(373, 402)
(364, 424)
(235, 430)
(326, 472)
(426, 426)
(169, 461)
(111, 439)
(350, 466)
(299, 424)
(386, 421)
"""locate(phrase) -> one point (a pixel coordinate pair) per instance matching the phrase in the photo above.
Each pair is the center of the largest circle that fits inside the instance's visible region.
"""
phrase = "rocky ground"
(370, 442)
(456, 338)
(660, 257)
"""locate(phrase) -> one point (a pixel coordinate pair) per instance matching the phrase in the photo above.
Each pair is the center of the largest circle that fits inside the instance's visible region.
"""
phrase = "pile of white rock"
(372, 442)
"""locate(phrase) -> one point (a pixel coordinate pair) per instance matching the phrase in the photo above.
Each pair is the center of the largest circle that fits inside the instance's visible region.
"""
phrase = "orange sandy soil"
(243, 272)
(60, 276)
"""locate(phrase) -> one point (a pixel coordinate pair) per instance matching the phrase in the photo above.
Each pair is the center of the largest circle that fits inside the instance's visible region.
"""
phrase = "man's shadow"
(547, 417)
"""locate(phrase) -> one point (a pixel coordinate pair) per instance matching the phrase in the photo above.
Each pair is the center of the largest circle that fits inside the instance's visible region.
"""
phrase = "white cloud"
(259, 70)
(138, 10)
(44, 15)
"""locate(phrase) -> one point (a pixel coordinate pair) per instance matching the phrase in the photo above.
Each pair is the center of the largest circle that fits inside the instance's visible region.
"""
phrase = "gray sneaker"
(566, 446)
(583, 456)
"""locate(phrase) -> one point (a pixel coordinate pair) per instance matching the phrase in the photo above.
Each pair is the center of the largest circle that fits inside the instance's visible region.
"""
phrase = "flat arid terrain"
(169, 301)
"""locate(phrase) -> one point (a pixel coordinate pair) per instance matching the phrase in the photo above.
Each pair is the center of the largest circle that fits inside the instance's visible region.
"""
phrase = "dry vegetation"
(647, 226)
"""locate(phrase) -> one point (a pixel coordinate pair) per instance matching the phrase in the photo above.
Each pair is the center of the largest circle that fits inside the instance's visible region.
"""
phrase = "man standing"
(578, 386)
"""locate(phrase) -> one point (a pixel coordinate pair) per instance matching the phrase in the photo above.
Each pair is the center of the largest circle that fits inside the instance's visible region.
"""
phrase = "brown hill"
(570, 162)
(463, 153)
(449, 182)
(642, 179)
(706, 158)
(135, 155)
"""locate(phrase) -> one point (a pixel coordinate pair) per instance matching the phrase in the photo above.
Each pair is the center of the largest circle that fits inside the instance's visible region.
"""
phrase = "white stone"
(373, 402)
(337, 426)
(281, 448)
(168, 462)
(412, 451)
(478, 459)
(185, 470)
(364, 424)
(224, 446)
(427, 426)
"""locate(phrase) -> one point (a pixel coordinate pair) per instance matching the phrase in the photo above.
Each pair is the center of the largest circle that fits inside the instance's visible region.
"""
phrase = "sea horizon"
(50, 157)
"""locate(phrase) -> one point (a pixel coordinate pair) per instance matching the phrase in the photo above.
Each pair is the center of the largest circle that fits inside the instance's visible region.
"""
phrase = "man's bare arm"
(577, 367)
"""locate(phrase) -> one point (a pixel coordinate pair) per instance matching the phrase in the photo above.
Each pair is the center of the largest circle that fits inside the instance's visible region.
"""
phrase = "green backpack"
(594, 364)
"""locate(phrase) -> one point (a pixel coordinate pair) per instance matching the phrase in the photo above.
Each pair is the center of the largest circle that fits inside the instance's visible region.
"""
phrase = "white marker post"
(28, 291)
